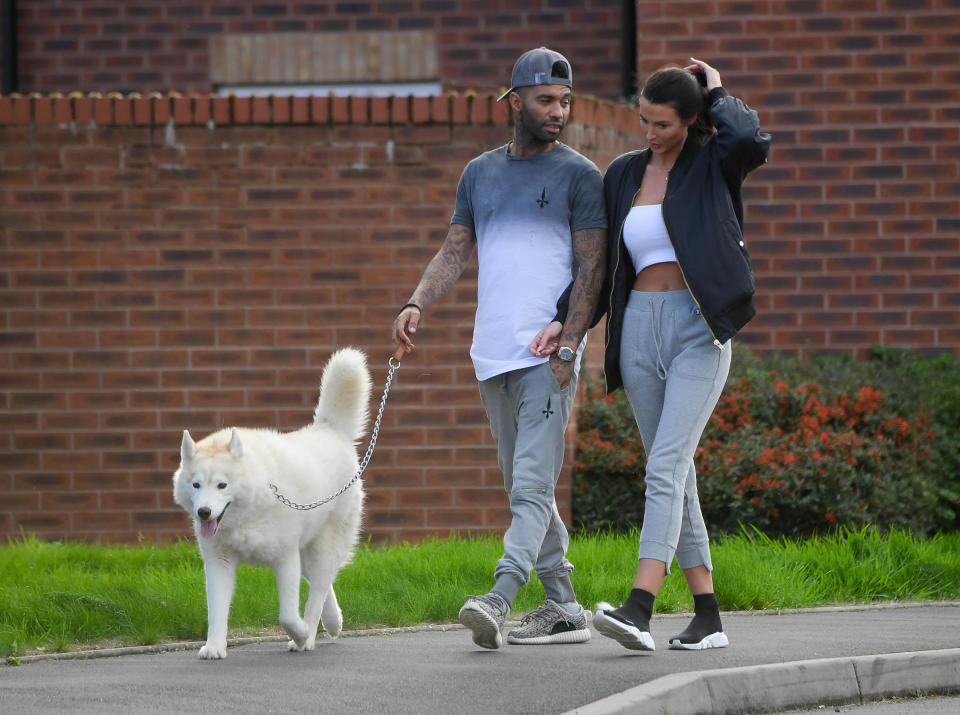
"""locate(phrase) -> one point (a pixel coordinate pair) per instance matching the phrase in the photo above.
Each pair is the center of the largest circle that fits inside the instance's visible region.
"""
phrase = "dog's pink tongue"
(208, 528)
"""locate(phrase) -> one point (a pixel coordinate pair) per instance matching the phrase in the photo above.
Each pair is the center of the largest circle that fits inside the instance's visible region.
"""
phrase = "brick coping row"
(213, 110)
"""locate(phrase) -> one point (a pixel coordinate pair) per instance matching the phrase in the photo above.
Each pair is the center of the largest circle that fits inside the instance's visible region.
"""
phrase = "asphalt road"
(442, 672)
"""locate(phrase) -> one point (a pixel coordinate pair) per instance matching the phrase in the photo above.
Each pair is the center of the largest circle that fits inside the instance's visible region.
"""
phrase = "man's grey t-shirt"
(523, 211)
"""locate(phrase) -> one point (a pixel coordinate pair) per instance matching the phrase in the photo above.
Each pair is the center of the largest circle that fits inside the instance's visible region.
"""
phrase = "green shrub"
(796, 447)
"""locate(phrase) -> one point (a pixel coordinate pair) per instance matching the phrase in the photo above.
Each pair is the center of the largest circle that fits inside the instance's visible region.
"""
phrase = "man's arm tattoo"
(590, 254)
(445, 267)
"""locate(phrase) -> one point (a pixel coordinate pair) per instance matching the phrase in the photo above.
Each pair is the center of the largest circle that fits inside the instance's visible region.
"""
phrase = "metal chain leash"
(394, 364)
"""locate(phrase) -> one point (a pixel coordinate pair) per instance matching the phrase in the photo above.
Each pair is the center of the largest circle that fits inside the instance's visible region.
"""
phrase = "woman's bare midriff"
(659, 277)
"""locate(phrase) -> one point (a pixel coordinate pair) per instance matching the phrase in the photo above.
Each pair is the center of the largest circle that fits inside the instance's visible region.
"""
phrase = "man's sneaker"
(551, 623)
(700, 635)
(621, 630)
(484, 616)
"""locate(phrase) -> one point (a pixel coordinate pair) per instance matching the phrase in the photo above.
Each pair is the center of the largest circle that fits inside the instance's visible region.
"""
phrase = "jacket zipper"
(716, 343)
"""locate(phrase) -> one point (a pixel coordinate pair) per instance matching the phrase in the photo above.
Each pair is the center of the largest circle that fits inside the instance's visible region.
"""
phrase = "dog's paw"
(213, 651)
(309, 644)
(334, 625)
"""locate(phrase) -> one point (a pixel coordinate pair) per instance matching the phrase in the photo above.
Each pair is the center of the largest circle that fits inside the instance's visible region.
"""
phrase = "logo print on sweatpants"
(542, 201)
(547, 412)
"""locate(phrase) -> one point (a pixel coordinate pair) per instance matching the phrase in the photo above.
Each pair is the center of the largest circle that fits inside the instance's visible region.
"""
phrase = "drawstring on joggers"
(656, 329)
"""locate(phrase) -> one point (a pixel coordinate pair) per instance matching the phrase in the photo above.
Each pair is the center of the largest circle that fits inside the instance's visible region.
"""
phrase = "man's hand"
(405, 326)
(562, 371)
(547, 340)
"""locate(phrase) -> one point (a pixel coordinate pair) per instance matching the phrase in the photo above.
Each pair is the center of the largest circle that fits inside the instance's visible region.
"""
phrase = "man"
(534, 208)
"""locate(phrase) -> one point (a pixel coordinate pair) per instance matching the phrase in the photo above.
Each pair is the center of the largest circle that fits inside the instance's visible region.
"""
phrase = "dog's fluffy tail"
(344, 394)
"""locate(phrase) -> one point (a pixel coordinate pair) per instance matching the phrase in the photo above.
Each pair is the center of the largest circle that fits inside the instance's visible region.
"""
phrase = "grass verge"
(56, 597)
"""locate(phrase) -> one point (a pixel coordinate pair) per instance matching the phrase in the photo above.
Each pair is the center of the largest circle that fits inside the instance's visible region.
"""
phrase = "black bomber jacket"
(703, 213)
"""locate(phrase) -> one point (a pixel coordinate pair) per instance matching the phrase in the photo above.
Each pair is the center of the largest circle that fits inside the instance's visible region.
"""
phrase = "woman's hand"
(709, 73)
(547, 340)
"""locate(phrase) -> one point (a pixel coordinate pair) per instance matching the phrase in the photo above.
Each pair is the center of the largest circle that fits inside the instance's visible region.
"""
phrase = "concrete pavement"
(775, 661)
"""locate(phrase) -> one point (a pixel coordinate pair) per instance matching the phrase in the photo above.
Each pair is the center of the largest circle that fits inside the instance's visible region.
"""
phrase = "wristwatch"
(566, 353)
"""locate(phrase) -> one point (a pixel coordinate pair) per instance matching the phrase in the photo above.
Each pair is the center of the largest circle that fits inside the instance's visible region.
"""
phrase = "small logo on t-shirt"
(542, 201)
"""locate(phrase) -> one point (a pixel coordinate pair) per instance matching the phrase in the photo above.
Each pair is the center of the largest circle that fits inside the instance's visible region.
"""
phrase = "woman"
(680, 286)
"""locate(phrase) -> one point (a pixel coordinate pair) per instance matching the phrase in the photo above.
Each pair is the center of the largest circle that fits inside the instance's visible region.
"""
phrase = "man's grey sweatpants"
(528, 415)
(673, 375)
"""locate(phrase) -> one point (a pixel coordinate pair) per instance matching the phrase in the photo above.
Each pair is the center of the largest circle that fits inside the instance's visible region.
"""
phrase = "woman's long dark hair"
(677, 88)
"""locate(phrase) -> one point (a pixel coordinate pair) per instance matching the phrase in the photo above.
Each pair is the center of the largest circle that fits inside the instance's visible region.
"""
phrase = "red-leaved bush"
(790, 454)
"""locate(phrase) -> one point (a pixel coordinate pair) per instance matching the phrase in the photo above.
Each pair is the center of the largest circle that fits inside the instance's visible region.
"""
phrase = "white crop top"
(645, 236)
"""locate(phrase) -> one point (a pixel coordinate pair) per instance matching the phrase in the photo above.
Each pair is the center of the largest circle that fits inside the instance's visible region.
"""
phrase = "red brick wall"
(157, 274)
(155, 277)
(124, 45)
(854, 223)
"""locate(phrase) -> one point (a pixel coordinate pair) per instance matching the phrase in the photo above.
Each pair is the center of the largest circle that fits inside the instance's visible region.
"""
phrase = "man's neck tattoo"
(524, 141)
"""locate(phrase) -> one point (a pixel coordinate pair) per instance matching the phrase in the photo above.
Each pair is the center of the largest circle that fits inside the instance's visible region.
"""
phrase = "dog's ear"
(188, 448)
(236, 447)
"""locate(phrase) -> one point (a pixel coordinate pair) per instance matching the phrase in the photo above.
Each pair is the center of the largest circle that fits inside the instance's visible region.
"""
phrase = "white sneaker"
(621, 630)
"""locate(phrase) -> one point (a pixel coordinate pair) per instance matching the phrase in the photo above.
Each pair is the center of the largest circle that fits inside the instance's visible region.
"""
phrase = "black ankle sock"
(636, 610)
(705, 602)
(706, 619)
(706, 608)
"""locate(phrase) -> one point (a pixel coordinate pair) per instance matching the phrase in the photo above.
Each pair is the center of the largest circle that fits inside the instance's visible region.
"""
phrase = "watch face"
(566, 354)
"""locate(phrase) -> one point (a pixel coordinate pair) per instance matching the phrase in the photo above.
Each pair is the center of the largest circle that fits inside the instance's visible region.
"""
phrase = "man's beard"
(533, 132)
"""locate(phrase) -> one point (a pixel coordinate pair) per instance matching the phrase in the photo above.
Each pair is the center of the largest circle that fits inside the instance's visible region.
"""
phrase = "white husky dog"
(223, 483)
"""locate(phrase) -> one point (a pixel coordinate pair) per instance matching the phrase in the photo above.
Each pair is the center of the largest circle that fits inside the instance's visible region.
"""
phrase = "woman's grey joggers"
(673, 375)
